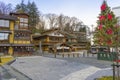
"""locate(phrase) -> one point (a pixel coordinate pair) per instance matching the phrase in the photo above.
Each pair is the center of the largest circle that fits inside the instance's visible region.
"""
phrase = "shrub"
(106, 78)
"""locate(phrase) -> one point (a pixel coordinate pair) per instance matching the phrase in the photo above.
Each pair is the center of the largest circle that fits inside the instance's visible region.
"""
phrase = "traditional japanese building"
(82, 42)
(58, 39)
(55, 39)
(15, 36)
(7, 23)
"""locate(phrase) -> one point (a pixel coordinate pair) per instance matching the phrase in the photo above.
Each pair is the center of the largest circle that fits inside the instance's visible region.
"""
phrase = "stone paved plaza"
(50, 68)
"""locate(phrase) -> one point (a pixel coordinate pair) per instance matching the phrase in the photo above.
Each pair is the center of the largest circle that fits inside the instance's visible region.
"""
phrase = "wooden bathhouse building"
(15, 36)
(57, 40)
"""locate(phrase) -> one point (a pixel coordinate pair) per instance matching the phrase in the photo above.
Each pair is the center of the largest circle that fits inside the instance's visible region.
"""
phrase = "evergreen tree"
(32, 10)
(34, 15)
(106, 33)
(21, 8)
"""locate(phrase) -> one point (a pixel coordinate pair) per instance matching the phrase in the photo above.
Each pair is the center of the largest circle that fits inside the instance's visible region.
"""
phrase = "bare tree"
(40, 27)
(52, 19)
(5, 8)
(73, 24)
(62, 21)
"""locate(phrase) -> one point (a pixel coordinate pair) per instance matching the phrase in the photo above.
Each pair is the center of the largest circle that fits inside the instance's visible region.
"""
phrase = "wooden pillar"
(10, 50)
(55, 52)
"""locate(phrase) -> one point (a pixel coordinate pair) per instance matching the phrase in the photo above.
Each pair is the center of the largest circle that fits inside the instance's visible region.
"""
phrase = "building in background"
(61, 41)
(15, 36)
(116, 11)
(52, 40)
(7, 23)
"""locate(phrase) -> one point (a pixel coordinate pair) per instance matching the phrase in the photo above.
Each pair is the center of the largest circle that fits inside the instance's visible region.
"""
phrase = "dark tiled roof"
(23, 31)
(19, 13)
(8, 17)
(66, 34)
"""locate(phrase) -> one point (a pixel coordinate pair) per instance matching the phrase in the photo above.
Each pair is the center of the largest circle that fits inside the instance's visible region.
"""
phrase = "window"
(23, 23)
(21, 19)
(4, 36)
(21, 35)
(25, 20)
(4, 23)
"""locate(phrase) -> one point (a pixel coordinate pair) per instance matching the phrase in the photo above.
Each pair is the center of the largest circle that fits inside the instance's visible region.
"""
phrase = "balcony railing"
(22, 38)
(4, 41)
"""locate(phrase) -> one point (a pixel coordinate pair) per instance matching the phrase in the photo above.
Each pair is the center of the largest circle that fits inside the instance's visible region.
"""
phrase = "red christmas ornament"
(109, 17)
(109, 31)
(101, 17)
(109, 42)
(100, 27)
(103, 7)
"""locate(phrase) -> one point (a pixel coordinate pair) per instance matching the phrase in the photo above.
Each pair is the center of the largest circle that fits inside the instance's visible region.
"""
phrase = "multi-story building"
(82, 42)
(15, 36)
(116, 11)
(53, 39)
(57, 39)
(7, 23)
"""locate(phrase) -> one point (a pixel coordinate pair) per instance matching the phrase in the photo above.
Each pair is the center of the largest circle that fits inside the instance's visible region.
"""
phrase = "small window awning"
(8, 17)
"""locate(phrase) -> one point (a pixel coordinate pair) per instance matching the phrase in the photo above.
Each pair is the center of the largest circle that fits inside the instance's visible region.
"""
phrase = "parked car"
(93, 50)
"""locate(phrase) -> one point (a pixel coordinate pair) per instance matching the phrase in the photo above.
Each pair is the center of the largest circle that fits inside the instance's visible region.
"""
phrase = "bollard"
(73, 55)
(55, 55)
(78, 55)
(63, 55)
(68, 55)
(83, 54)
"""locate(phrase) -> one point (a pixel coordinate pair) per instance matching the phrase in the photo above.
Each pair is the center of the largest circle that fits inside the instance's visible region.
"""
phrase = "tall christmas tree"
(107, 31)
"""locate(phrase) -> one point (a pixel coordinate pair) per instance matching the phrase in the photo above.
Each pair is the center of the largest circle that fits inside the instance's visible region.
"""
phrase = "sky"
(85, 10)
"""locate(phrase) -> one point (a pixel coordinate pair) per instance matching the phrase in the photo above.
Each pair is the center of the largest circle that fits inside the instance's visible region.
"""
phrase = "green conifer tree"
(106, 33)
(32, 10)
